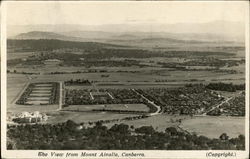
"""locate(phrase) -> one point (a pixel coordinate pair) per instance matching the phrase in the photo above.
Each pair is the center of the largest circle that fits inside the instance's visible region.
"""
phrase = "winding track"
(151, 102)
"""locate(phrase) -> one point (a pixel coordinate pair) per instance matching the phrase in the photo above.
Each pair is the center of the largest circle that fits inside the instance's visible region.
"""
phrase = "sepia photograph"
(128, 79)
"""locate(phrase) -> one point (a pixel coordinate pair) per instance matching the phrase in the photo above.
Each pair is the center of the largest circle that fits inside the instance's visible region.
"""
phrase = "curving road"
(151, 102)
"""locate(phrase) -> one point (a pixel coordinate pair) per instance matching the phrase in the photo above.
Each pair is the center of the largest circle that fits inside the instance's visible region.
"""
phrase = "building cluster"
(28, 117)
(52, 62)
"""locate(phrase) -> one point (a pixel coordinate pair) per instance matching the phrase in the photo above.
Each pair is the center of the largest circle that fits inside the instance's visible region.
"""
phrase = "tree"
(171, 131)
(71, 124)
(145, 130)
(9, 146)
(132, 127)
(121, 128)
(224, 136)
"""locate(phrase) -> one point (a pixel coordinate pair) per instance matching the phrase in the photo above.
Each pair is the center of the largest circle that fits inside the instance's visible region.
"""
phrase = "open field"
(145, 76)
(203, 66)
(15, 86)
(159, 122)
(213, 127)
(130, 85)
(130, 107)
(13, 55)
(31, 108)
(79, 117)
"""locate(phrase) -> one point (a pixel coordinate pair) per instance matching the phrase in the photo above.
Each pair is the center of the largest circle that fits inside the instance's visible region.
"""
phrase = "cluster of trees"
(172, 65)
(93, 54)
(234, 107)
(71, 59)
(130, 118)
(120, 111)
(205, 61)
(196, 54)
(77, 82)
(225, 87)
(54, 98)
(184, 100)
(72, 136)
(25, 73)
(125, 96)
(78, 72)
(226, 71)
(213, 62)
(120, 96)
(52, 44)
(189, 100)
(123, 53)
(111, 63)
(77, 97)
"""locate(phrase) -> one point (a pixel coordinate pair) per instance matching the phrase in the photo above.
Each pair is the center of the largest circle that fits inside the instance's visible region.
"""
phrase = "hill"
(166, 40)
(40, 35)
(45, 35)
(53, 44)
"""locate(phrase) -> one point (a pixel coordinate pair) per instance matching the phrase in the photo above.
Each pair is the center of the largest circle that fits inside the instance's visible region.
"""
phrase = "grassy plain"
(15, 85)
(142, 75)
(13, 55)
(159, 122)
(79, 117)
(130, 107)
(209, 126)
(213, 127)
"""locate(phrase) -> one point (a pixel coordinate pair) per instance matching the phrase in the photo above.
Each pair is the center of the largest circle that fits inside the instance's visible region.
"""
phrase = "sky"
(99, 13)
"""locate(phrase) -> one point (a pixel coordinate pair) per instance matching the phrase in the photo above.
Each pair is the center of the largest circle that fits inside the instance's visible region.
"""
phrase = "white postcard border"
(148, 153)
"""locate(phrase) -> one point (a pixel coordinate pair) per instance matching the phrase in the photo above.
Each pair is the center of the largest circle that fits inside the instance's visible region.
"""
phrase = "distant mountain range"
(212, 31)
(129, 39)
(82, 36)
